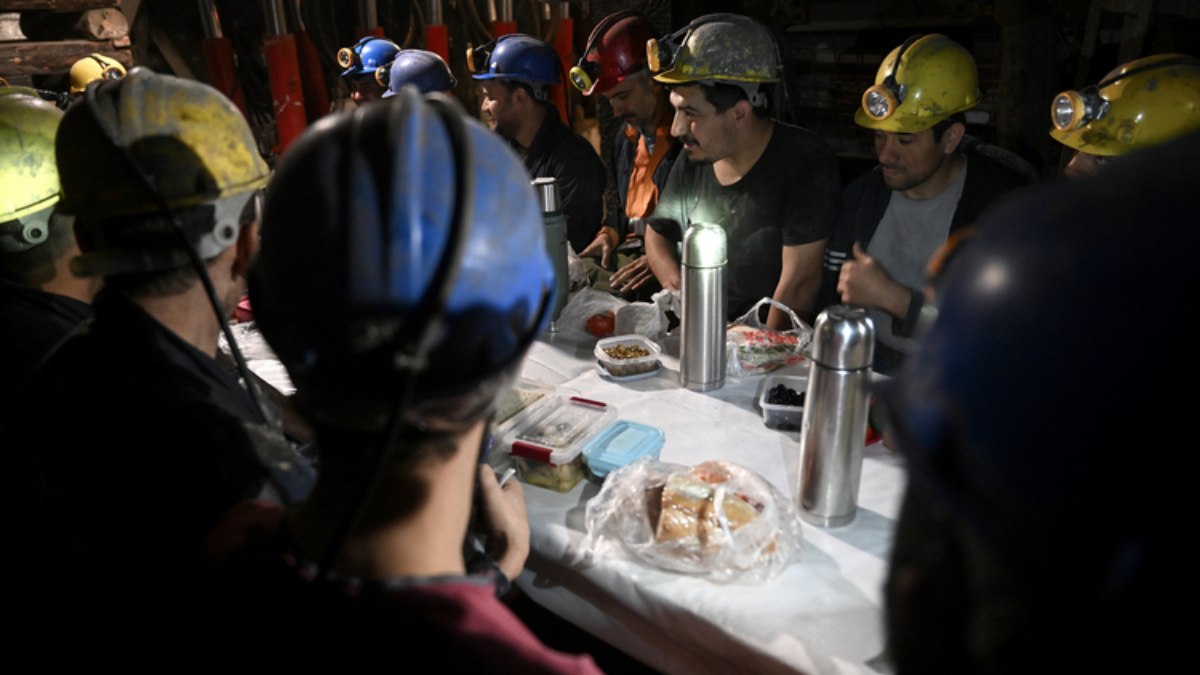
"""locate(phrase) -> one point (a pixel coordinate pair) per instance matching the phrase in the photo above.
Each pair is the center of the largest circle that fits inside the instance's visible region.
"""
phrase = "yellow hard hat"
(184, 134)
(94, 67)
(28, 175)
(1140, 104)
(920, 83)
(724, 48)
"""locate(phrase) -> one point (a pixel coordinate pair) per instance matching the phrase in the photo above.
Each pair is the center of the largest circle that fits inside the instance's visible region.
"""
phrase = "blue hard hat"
(366, 56)
(515, 57)
(424, 70)
(402, 251)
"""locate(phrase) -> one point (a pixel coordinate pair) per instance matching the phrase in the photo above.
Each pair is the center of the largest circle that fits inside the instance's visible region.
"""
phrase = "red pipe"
(286, 91)
(312, 78)
(503, 28)
(437, 40)
(222, 73)
(564, 32)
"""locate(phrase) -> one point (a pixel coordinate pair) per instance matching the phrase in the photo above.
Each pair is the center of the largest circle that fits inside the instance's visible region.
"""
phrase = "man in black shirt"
(515, 74)
(772, 187)
(131, 440)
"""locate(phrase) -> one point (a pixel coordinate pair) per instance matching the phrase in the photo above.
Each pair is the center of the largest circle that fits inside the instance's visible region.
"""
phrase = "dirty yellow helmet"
(716, 48)
(133, 147)
(920, 83)
(1140, 104)
(186, 135)
(28, 175)
(94, 67)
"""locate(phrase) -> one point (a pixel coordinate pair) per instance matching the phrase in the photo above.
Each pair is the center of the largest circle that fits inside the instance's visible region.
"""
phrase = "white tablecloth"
(822, 615)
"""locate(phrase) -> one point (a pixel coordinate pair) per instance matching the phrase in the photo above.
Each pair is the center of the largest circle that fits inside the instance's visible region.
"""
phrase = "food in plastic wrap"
(754, 348)
(718, 519)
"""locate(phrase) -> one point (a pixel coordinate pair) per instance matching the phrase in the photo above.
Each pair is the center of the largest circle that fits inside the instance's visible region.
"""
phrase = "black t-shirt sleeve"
(814, 193)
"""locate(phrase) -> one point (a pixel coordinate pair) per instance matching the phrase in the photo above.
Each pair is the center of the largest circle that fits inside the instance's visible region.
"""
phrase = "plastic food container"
(620, 444)
(548, 447)
(608, 354)
(778, 415)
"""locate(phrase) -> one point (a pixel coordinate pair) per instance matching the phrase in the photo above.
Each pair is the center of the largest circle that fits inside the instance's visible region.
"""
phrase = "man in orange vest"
(614, 65)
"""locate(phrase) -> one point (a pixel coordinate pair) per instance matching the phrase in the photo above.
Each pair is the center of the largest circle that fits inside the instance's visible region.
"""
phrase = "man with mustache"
(614, 65)
(927, 185)
(772, 187)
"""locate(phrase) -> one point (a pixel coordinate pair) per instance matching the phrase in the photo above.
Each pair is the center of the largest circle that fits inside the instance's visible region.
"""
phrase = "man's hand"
(631, 276)
(863, 281)
(505, 521)
(660, 255)
(601, 246)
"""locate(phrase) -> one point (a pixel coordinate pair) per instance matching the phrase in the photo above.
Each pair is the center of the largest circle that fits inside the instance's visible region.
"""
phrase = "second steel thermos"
(834, 429)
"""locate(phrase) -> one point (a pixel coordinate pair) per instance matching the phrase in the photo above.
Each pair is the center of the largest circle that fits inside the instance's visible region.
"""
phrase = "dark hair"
(941, 127)
(725, 96)
(36, 266)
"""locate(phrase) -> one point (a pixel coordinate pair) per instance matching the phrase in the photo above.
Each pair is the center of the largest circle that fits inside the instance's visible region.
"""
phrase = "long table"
(821, 615)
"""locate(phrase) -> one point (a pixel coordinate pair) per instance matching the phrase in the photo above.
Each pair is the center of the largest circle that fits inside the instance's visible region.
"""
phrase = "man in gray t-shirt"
(894, 218)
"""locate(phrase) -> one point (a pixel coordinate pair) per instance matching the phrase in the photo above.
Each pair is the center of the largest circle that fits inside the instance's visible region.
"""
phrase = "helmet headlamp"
(478, 57)
(661, 54)
(1074, 109)
(347, 57)
(879, 102)
(584, 75)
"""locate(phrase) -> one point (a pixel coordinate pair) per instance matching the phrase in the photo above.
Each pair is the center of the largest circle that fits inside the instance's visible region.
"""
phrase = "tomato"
(602, 325)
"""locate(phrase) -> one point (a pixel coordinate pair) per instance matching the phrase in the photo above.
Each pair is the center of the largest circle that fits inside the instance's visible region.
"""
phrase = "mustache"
(689, 140)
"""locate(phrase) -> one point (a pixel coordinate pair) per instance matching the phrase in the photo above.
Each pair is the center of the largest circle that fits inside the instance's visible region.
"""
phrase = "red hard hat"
(616, 48)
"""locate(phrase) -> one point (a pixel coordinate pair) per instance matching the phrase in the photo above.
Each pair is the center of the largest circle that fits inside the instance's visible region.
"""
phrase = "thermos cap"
(704, 245)
(547, 191)
(844, 338)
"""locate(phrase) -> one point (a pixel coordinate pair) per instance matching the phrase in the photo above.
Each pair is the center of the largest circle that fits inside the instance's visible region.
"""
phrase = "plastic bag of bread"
(718, 519)
(753, 348)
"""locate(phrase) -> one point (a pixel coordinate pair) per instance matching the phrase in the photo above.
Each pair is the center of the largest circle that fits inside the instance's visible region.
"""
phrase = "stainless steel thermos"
(556, 241)
(702, 327)
(834, 429)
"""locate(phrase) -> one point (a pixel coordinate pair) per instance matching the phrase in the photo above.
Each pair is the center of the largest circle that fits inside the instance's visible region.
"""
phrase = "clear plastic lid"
(556, 432)
(519, 402)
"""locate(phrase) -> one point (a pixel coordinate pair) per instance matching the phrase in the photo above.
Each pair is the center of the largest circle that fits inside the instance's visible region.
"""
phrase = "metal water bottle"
(702, 327)
(556, 241)
(835, 416)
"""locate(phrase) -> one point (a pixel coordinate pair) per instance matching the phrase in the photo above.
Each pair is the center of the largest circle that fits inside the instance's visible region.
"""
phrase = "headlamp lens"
(579, 78)
(112, 73)
(346, 57)
(1067, 111)
(878, 104)
(383, 75)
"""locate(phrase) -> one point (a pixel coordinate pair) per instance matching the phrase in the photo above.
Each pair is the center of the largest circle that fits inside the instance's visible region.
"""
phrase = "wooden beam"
(93, 24)
(40, 58)
(56, 5)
